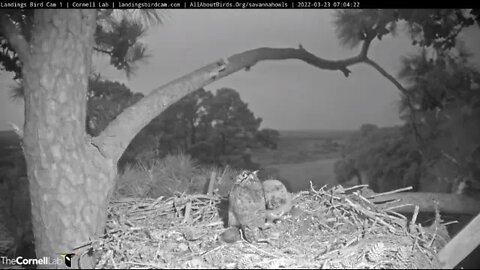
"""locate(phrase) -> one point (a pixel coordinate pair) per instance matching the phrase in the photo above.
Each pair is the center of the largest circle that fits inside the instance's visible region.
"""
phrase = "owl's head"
(246, 176)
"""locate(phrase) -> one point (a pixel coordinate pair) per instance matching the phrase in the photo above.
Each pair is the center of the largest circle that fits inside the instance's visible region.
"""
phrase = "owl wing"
(247, 203)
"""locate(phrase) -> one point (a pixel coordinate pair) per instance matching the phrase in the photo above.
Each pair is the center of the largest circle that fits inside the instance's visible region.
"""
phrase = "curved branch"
(113, 141)
(14, 37)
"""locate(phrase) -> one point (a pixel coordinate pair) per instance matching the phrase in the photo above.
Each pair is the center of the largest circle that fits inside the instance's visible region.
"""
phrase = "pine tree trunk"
(70, 182)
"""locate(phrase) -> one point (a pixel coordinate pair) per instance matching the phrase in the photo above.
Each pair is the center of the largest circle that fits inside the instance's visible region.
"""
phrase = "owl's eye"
(243, 176)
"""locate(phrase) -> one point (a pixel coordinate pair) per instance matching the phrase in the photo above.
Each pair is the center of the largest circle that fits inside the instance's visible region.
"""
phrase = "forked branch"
(117, 135)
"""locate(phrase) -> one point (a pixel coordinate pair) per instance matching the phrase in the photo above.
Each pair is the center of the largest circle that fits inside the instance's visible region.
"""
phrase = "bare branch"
(117, 135)
(401, 88)
(386, 75)
(14, 36)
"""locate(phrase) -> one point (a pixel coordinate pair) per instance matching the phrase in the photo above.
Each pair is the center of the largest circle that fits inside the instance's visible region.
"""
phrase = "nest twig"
(335, 228)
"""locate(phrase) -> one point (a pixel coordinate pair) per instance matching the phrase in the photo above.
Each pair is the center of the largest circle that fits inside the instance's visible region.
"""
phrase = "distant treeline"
(215, 128)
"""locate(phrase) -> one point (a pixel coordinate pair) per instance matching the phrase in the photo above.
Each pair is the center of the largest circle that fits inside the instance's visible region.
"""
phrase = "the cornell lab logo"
(67, 257)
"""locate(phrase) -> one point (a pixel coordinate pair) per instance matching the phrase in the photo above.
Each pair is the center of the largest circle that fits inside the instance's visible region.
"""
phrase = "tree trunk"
(70, 181)
(71, 178)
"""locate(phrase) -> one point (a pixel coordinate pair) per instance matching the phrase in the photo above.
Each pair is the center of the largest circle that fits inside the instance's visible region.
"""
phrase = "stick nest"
(328, 228)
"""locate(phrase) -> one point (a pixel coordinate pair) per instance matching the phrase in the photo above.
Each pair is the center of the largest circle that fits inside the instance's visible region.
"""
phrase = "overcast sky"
(286, 94)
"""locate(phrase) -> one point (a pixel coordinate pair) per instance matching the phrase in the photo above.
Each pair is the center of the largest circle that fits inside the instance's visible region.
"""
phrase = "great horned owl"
(247, 208)
(277, 199)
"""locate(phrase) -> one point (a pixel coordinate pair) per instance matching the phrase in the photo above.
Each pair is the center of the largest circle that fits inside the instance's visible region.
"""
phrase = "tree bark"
(72, 177)
(134, 118)
(70, 182)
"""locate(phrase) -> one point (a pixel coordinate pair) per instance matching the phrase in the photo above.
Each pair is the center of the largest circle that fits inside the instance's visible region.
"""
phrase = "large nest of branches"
(328, 228)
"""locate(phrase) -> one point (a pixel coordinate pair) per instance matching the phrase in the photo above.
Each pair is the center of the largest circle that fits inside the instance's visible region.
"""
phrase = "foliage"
(438, 28)
(353, 26)
(213, 128)
(134, 181)
(447, 93)
(117, 36)
(158, 177)
(106, 100)
(174, 131)
(268, 138)
(385, 156)
(8, 57)
(234, 125)
(185, 123)
(172, 175)
(442, 104)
